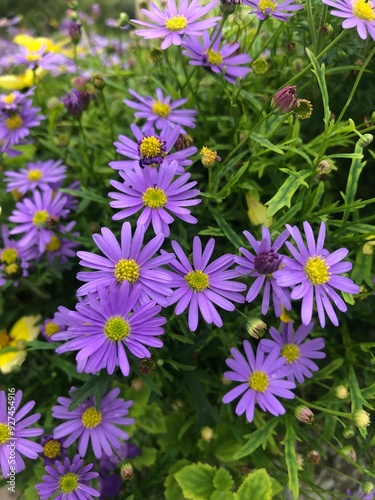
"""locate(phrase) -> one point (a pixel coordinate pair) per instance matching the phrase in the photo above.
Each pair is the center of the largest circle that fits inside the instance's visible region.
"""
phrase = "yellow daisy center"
(91, 418)
(259, 381)
(154, 198)
(52, 449)
(290, 352)
(11, 268)
(197, 280)
(127, 270)
(9, 255)
(317, 270)
(150, 147)
(214, 57)
(116, 328)
(68, 482)
(176, 23)
(51, 328)
(364, 10)
(161, 109)
(267, 4)
(40, 217)
(4, 339)
(8, 99)
(34, 174)
(4, 433)
(54, 244)
(32, 57)
(13, 122)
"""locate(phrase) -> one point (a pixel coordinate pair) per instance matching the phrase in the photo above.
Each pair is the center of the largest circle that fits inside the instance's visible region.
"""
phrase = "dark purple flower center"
(267, 262)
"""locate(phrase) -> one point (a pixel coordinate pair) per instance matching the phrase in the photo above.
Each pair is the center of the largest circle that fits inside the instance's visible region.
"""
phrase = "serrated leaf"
(256, 486)
(221, 495)
(145, 459)
(260, 139)
(172, 488)
(153, 420)
(196, 481)
(284, 195)
(223, 481)
(256, 438)
(291, 458)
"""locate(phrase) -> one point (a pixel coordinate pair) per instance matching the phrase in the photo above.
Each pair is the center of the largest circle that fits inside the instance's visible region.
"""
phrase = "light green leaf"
(284, 195)
(291, 458)
(257, 438)
(221, 495)
(153, 420)
(196, 481)
(356, 168)
(260, 139)
(145, 459)
(319, 72)
(256, 486)
(327, 370)
(223, 481)
(362, 268)
(172, 488)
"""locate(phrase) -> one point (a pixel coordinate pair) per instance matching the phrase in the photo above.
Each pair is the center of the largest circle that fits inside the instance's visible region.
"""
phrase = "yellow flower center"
(11, 268)
(127, 270)
(4, 433)
(290, 352)
(150, 147)
(197, 280)
(176, 23)
(154, 198)
(8, 99)
(32, 57)
(364, 10)
(214, 57)
(34, 174)
(91, 418)
(116, 328)
(316, 269)
(51, 328)
(13, 122)
(54, 244)
(161, 109)
(267, 4)
(40, 217)
(208, 156)
(9, 255)
(259, 381)
(68, 482)
(52, 449)
(4, 339)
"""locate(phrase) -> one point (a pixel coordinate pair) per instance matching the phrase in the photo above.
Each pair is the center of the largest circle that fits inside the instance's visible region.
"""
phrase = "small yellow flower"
(257, 211)
(20, 82)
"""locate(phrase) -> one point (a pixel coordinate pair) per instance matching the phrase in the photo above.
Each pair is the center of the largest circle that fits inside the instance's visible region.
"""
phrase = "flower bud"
(146, 366)
(209, 157)
(367, 487)
(326, 30)
(349, 451)
(98, 81)
(123, 19)
(341, 392)
(361, 419)
(284, 100)
(365, 140)
(127, 472)
(183, 141)
(207, 434)
(314, 457)
(256, 327)
(303, 109)
(75, 32)
(304, 414)
(96, 10)
(260, 66)
(348, 432)
(156, 54)
(54, 103)
(300, 460)
(137, 384)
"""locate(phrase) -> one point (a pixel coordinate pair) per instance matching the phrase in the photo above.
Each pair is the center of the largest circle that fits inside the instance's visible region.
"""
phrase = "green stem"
(324, 410)
(219, 30)
(322, 22)
(259, 27)
(311, 21)
(108, 116)
(275, 35)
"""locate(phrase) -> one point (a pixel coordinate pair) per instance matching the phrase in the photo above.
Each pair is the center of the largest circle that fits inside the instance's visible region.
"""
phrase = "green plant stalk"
(324, 410)
(311, 21)
(322, 22)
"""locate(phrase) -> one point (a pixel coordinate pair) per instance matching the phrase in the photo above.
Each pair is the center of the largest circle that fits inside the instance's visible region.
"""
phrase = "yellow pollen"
(127, 270)
(161, 109)
(51, 328)
(4, 339)
(154, 198)
(9, 255)
(259, 381)
(33, 57)
(68, 482)
(176, 23)
(267, 4)
(11, 268)
(197, 280)
(4, 433)
(40, 217)
(34, 174)
(8, 99)
(316, 269)
(91, 418)
(54, 244)
(116, 328)
(290, 352)
(13, 122)
(208, 156)
(150, 147)
(364, 10)
(214, 57)
(52, 449)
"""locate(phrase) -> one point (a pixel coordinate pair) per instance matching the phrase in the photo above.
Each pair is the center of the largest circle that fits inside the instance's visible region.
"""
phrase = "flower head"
(42, 175)
(76, 102)
(53, 450)
(358, 14)
(282, 11)
(49, 61)
(14, 259)
(285, 99)
(15, 125)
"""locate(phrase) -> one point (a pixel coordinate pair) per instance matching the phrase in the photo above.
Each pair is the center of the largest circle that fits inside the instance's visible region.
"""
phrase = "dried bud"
(209, 157)
(341, 392)
(127, 472)
(207, 434)
(314, 457)
(304, 414)
(260, 66)
(183, 141)
(227, 7)
(303, 109)
(137, 384)
(324, 167)
(75, 32)
(349, 451)
(284, 100)
(365, 140)
(326, 30)
(98, 81)
(256, 327)
(52, 222)
(348, 432)
(156, 54)
(361, 418)
(291, 47)
(146, 366)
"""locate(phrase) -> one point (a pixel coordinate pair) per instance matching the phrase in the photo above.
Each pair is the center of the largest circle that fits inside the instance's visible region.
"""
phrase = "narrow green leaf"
(319, 72)
(362, 268)
(84, 392)
(227, 230)
(86, 195)
(284, 195)
(257, 438)
(196, 481)
(256, 486)
(179, 366)
(260, 139)
(329, 369)
(38, 345)
(291, 458)
(356, 168)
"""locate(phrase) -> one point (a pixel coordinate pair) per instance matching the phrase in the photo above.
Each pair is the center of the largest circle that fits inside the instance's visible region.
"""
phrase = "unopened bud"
(207, 434)
(123, 19)
(326, 30)
(156, 54)
(303, 109)
(300, 461)
(75, 32)
(52, 222)
(284, 100)
(79, 83)
(137, 384)
(365, 140)
(256, 327)
(183, 141)
(348, 432)
(349, 451)
(361, 419)
(127, 472)
(260, 66)
(98, 81)
(54, 103)
(341, 392)
(324, 167)
(314, 457)
(367, 487)
(304, 414)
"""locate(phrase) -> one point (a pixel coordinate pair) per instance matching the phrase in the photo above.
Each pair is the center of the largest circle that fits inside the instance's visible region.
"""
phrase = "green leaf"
(196, 481)
(291, 458)
(227, 444)
(257, 438)
(221, 495)
(68, 368)
(153, 420)
(362, 268)
(284, 195)
(260, 139)
(319, 72)
(38, 345)
(84, 392)
(256, 486)
(145, 459)
(172, 488)
(233, 181)
(356, 168)
(179, 366)
(227, 230)
(223, 481)
(86, 195)
(327, 370)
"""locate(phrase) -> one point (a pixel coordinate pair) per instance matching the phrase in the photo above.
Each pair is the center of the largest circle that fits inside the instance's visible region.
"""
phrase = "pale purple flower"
(49, 61)
(41, 174)
(282, 11)
(360, 494)
(10, 102)
(202, 286)
(53, 450)
(315, 274)
(297, 353)
(60, 249)
(15, 126)
(358, 14)
(172, 23)
(261, 266)
(158, 195)
(261, 381)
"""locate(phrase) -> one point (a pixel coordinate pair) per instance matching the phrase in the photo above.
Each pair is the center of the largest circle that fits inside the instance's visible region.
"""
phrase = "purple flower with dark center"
(38, 217)
(76, 102)
(161, 111)
(282, 11)
(127, 262)
(53, 450)
(106, 324)
(59, 249)
(15, 126)
(314, 273)
(358, 14)
(262, 266)
(157, 194)
(201, 286)
(174, 22)
(297, 353)
(43, 175)
(218, 59)
(49, 61)
(14, 432)
(152, 145)
(261, 381)
(69, 480)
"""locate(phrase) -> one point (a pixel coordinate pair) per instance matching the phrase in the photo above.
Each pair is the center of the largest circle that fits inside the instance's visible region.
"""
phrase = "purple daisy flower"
(69, 480)
(10, 102)
(261, 381)
(219, 60)
(59, 249)
(161, 111)
(314, 273)
(76, 102)
(49, 61)
(37, 217)
(43, 175)
(15, 126)
(53, 450)
(262, 266)
(282, 11)
(297, 353)
(127, 263)
(358, 14)
(201, 285)
(360, 494)
(14, 434)
(174, 22)
(157, 194)
(59, 323)
(152, 148)
(106, 324)
(99, 425)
